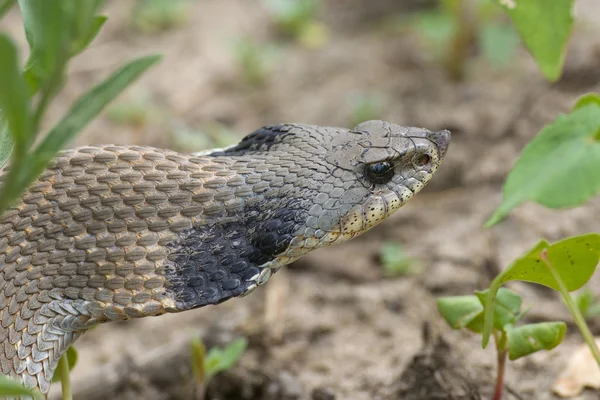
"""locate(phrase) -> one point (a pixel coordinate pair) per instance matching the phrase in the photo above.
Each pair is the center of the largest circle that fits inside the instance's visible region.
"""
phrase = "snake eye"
(380, 172)
(422, 160)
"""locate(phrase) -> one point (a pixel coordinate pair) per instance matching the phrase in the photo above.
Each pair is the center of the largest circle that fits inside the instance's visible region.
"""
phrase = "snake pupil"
(380, 172)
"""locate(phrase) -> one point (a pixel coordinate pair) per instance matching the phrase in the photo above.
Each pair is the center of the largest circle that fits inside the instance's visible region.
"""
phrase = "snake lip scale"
(111, 232)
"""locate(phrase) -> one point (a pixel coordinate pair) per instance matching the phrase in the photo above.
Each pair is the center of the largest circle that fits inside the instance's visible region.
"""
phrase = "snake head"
(374, 169)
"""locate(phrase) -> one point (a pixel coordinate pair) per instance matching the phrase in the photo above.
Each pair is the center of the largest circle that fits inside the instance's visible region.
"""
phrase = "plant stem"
(65, 377)
(501, 352)
(462, 37)
(573, 309)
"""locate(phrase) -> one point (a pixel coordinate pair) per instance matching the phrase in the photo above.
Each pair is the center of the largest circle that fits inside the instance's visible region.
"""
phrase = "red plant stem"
(500, 375)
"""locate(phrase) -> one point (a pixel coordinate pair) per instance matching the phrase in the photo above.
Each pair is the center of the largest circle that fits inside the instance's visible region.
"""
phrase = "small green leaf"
(71, 355)
(498, 43)
(574, 259)
(435, 27)
(545, 27)
(233, 352)
(507, 306)
(14, 96)
(223, 359)
(90, 104)
(395, 260)
(537, 176)
(459, 311)
(12, 387)
(527, 339)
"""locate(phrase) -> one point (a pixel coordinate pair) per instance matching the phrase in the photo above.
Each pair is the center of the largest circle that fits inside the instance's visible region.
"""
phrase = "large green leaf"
(14, 96)
(559, 168)
(545, 27)
(574, 259)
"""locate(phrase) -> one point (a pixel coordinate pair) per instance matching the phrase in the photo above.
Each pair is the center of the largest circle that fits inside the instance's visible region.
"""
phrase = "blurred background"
(344, 322)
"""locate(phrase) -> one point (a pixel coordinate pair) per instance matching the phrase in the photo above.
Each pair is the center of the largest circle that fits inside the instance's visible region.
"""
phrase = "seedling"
(365, 107)
(395, 260)
(252, 60)
(298, 19)
(564, 266)
(153, 16)
(206, 366)
(511, 340)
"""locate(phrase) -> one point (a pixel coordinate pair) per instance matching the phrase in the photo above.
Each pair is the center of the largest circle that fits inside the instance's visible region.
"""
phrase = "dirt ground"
(331, 326)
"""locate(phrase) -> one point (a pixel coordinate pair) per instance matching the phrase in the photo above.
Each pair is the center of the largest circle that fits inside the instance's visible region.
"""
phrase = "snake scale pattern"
(111, 233)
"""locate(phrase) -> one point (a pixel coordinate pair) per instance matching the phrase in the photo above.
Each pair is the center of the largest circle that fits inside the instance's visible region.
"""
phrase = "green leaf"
(527, 339)
(89, 106)
(545, 27)
(507, 306)
(72, 357)
(583, 301)
(588, 98)
(223, 359)
(459, 311)
(435, 27)
(498, 43)
(574, 259)
(394, 259)
(14, 96)
(84, 41)
(12, 387)
(47, 28)
(537, 175)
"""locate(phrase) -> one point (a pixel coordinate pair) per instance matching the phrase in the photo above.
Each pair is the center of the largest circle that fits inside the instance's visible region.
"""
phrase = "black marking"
(210, 264)
(260, 140)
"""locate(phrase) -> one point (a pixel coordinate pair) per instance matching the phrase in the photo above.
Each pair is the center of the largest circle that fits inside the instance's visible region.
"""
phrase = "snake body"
(117, 232)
